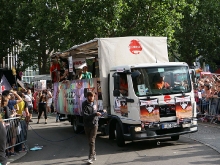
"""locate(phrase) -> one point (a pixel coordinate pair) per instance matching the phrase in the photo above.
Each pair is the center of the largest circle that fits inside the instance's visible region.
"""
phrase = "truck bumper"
(158, 133)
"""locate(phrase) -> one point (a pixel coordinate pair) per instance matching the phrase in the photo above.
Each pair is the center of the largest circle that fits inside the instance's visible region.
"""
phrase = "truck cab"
(159, 101)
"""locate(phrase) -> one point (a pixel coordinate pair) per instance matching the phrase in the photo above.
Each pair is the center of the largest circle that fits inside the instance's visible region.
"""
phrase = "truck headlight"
(194, 122)
(137, 129)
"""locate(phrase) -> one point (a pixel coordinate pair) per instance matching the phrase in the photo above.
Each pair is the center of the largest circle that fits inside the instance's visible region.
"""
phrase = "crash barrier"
(16, 133)
(208, 109)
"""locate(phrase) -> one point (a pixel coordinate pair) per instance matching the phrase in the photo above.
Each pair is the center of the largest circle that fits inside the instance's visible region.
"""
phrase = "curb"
(18, 155)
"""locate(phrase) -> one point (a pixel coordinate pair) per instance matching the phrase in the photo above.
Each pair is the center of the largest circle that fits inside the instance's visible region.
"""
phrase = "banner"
(183, 107)
(149, 110)
(68, 96)
(37, 86)
(70, 60)
(121, 107)
(43, 84)
(79, 63)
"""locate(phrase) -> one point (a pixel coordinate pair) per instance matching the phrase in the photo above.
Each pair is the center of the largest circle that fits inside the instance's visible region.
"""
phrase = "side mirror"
(193, 76)
(135, 74)
(116, 91)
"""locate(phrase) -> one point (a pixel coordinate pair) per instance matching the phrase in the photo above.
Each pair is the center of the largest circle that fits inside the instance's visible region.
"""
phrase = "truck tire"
(111, 133)
(175, 138)
(76, 127)
(119, 136)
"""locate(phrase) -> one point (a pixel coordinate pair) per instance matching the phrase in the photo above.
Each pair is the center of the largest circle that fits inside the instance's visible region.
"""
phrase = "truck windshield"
(163, 80)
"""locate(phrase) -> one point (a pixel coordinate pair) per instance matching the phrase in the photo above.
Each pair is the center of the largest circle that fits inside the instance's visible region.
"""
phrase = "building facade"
(29, 74)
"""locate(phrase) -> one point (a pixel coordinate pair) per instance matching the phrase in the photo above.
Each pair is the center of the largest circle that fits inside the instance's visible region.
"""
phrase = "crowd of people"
(207, 94)
(16, 113)
(59, 71)
(16, 110)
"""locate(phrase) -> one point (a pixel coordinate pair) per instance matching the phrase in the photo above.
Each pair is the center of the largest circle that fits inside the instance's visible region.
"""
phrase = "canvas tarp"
(118, 51)
(128, 51)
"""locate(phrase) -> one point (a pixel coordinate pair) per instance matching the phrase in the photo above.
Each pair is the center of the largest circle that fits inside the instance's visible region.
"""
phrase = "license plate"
(167, 125)
(186, 125)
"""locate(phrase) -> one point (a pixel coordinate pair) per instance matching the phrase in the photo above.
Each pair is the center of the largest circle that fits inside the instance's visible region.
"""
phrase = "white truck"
(159, 101)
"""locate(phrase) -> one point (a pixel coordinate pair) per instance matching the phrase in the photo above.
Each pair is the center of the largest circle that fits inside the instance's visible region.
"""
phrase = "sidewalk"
(17, 156)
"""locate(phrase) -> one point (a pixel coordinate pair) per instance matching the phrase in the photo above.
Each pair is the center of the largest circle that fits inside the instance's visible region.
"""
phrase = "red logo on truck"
(135, 47)
(167, 98)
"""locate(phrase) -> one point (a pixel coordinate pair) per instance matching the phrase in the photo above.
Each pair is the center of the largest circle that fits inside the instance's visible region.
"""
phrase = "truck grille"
(167, 110)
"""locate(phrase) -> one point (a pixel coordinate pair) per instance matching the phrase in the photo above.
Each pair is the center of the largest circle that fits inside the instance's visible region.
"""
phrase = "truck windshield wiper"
(153, 94)
(176, 92)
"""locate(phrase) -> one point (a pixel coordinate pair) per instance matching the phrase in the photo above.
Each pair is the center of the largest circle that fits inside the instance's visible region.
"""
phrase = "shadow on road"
(70, 147)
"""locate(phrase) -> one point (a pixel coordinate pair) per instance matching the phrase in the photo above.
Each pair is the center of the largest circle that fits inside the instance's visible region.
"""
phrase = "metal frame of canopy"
(84, 50)
(41, 77)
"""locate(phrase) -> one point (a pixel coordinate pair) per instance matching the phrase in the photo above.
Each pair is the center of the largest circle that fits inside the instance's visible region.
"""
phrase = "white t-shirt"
(28, 99)
(49, 100)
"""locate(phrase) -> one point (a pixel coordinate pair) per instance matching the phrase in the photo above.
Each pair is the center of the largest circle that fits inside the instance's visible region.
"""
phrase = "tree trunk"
(39, 63)
(44, 64)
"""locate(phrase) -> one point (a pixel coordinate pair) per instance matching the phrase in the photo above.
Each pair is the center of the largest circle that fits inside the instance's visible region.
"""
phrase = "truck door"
(124, 100)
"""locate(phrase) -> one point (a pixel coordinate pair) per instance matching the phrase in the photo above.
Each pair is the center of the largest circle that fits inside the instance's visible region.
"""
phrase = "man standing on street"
(90, 120)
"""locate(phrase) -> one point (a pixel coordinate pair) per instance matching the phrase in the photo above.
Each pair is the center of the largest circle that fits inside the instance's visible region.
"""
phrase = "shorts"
(49, 104)
(30, 109)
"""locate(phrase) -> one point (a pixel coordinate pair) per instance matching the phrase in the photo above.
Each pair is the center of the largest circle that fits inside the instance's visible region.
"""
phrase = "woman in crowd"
(42, 107)
(8, 114)
(3, 139)
(49, 100)
(205, 98)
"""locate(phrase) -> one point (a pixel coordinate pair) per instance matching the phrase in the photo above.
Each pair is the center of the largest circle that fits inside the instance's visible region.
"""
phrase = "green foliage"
(199, 33)
(42, 27)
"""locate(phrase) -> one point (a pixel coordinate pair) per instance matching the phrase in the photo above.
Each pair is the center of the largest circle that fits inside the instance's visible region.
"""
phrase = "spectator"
(86, 74)
(64, 70)
(49, 101)
(35, 104)
(29, 99)
(12, 103)
(205, 98)
(42, 107)
(90, 120)
(55, 71)
(3, 139)
(23, 108)
(7, 114)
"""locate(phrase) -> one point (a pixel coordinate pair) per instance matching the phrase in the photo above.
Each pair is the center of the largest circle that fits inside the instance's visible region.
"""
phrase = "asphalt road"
(62, 146)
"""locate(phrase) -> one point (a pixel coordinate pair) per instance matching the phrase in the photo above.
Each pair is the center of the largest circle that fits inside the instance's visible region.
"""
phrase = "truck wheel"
(103, 132)
(76, 128)
(119, 136)
(175, 138)
(111, 133)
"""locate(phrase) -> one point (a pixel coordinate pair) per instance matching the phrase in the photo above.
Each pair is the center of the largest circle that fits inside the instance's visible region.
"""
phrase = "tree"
(199, 33)
(7, 26)
(43, 27)
(43, 33)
